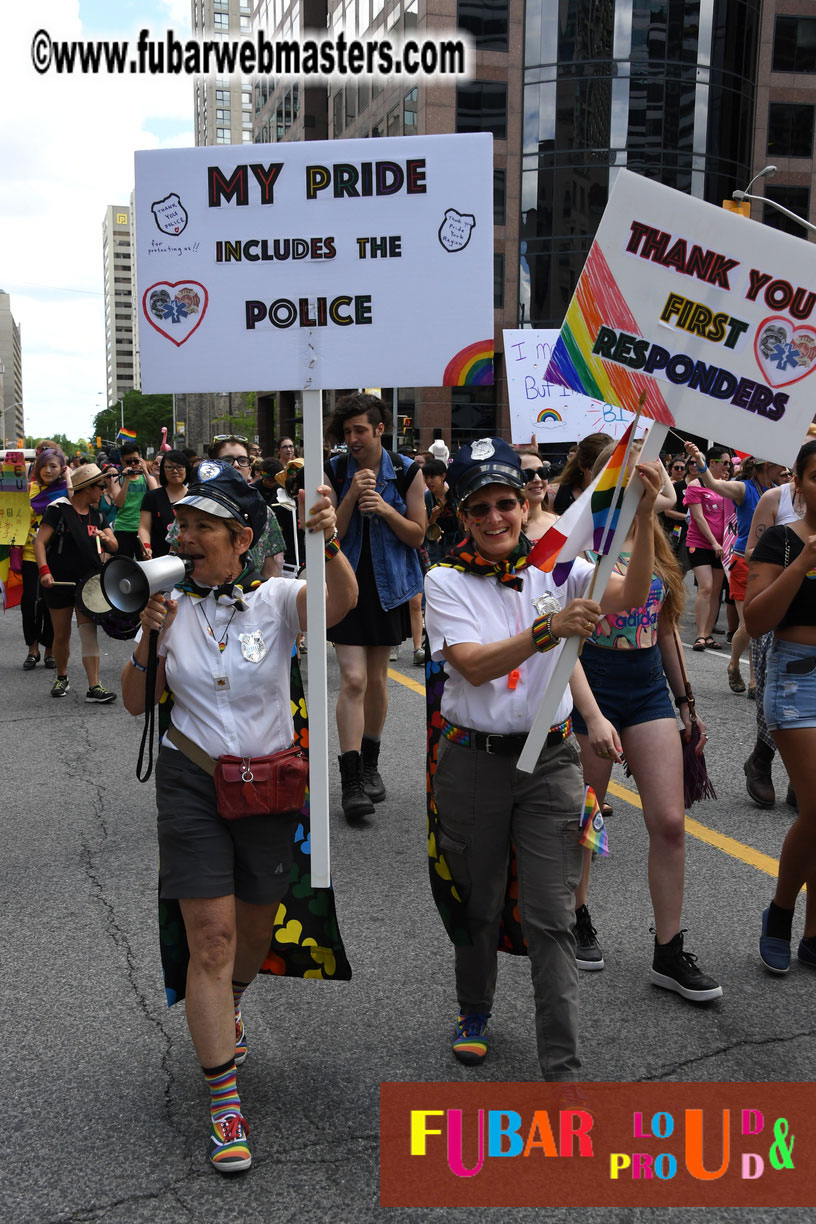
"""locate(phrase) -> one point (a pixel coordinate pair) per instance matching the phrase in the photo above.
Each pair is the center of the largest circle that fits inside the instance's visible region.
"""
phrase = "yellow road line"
(407, 681)
(728, 845)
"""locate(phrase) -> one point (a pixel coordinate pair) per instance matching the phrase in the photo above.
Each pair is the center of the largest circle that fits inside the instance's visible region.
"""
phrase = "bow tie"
(229, 592)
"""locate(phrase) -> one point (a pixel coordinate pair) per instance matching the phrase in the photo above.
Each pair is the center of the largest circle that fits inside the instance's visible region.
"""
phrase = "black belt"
(500, 745)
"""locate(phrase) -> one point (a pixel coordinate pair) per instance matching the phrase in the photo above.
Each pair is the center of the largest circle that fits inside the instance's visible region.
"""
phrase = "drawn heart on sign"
(785, 351)
(175, 308)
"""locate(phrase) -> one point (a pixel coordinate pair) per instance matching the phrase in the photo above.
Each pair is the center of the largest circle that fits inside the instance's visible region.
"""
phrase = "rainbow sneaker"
(469, 1044)
(229, 1150)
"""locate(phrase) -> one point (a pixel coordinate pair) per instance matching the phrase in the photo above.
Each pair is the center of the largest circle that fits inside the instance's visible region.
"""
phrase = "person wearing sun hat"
(68, 547)
(497, 624)
(225, 643)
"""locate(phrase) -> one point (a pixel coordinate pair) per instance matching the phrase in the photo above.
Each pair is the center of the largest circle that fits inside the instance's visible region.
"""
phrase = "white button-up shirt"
(233, 702)
(461, 607)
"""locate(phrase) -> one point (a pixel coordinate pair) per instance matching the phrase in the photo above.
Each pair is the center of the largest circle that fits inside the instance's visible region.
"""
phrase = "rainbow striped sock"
(223, 1085)
(238, 989)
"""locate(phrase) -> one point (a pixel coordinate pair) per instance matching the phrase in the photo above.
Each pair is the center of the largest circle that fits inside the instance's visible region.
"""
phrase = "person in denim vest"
(380, 523)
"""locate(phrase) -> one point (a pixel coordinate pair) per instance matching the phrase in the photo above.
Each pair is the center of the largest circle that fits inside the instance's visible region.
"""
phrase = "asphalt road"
(104, 1106)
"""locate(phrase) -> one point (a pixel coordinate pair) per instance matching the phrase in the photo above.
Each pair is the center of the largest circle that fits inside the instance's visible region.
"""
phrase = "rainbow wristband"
(332, 548)
(543, 636)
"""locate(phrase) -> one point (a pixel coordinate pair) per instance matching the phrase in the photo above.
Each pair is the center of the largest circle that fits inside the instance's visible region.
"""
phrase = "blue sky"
(66, 155)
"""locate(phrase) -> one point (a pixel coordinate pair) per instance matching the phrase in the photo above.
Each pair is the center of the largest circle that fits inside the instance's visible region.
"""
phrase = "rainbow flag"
(128, 435)
(590, 522)
(593, 829)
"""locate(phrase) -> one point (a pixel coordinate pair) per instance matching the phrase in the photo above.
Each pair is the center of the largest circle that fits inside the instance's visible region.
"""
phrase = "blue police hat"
(486, 461)
(218, 489)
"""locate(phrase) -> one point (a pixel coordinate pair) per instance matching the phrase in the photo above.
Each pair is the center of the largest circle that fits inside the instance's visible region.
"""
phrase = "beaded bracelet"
(138, 666)
(332, 547)
(543, 636)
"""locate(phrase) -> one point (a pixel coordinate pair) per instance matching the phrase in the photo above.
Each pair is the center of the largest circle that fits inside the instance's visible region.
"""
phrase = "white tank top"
(785, 512)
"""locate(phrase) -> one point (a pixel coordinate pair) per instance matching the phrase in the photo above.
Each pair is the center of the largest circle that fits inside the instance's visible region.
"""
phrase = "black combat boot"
(373, 784)
(356, 803)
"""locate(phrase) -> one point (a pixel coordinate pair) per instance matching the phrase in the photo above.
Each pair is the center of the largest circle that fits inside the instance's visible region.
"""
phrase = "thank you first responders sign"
(317, 264)
(707, 319)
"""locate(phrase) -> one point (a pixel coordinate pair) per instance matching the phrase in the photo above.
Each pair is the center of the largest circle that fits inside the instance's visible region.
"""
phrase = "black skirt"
(369, 624)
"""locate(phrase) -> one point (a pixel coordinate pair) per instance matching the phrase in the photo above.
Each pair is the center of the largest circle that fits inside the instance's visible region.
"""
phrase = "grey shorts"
(203, 855)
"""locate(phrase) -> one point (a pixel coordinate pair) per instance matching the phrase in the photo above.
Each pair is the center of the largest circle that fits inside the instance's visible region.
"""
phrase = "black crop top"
(771, 549)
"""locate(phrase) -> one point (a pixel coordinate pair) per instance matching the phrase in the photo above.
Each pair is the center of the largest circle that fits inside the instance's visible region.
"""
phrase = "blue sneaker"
(469, 1044)
(807, 952)
(773, 952)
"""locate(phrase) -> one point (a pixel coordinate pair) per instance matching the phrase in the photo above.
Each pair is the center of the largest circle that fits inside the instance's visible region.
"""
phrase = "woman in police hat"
(224, 647)
(497, 624)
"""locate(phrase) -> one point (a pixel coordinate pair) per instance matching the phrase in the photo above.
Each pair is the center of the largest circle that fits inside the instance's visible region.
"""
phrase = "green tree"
(146, 414)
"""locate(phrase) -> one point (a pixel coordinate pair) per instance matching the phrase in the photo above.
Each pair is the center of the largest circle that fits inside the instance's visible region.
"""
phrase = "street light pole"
(767, 172)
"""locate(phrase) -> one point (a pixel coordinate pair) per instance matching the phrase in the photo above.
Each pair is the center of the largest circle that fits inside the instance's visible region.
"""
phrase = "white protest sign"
(713, 316)
(551, 412)
(316, 265)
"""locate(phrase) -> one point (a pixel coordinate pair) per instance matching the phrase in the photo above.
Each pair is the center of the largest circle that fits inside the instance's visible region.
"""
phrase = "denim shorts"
(628, 685)
(790, 696)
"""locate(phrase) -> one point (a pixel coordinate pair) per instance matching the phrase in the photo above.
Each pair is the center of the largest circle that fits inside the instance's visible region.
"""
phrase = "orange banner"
(597, 1145)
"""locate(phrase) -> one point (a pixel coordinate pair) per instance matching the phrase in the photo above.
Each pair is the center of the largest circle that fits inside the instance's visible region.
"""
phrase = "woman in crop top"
(627, 662)
(781, 595)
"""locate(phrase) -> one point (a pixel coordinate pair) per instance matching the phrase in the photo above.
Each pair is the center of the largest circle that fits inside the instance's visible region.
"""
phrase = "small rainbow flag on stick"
(127, 435)
(593, 829)
(590, 521)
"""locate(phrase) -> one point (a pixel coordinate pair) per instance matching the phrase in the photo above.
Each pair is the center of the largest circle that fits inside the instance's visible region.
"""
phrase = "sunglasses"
(505, 505)
(543, 473)
(133, 462)
(224, 437)
(678, 467)
(236, 460)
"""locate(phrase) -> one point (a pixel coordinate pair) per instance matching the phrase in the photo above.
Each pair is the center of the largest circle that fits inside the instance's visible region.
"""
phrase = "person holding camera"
(134, 482)
(224, 646)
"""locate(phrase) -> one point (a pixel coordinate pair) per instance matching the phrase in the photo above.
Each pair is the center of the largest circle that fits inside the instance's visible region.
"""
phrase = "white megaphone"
(129, 584)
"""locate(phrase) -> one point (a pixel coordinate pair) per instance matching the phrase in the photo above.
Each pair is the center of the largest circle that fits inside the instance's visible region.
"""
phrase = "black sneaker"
(60, 687)
(99, 695)
(674, 969)
(588, 953)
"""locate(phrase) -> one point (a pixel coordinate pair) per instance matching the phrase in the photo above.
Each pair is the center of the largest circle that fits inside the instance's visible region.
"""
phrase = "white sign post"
(325, 264)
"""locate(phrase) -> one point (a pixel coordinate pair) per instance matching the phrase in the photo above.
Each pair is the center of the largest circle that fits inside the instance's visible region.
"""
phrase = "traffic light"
(98, 442)
(405, 423)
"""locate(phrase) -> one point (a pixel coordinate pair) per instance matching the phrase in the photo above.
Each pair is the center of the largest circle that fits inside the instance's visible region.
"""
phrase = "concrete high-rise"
(786, 106)
(11, 380)
(117, 263)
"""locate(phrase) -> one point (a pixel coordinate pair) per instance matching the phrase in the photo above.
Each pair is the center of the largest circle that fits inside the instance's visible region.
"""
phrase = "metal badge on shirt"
(253, 647)
(546, 603)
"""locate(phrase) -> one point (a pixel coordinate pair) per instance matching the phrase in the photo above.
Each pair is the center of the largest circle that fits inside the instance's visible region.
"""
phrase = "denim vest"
(396, 566)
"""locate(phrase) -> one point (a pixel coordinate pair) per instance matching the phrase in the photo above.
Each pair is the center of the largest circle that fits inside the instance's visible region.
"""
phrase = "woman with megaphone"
(229, 783)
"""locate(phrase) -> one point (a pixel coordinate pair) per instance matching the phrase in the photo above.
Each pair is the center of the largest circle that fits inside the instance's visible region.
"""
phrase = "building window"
(797, 199)
(499, 196)
(393, 124)
(498, 281)
(222, 136)
(409, 16)
(409, 114)
(377, 129)
(220, 21)
(222, 97)
(222, 116)
(487, 21)
(482, 107)
(473, 414)
(363, 96)
(338, 113)
(351, 103)
(790, 130)
(794, 48)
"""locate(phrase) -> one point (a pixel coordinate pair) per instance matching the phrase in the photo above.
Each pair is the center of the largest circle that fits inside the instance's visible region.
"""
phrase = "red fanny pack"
(256, 786)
